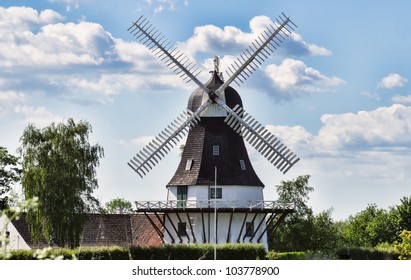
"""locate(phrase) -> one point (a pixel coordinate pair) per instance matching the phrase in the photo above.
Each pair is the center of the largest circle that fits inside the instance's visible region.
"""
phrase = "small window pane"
(219, 193)
(189, 164)
(242, 164)
(216, 150)
(182, 229)
(249, 229)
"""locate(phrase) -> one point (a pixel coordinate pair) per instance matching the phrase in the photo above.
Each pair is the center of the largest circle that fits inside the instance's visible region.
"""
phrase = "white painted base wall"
(232, 196)
(204, 233)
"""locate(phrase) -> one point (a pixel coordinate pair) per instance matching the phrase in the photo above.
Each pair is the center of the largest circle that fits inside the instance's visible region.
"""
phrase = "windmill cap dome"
(232, 97)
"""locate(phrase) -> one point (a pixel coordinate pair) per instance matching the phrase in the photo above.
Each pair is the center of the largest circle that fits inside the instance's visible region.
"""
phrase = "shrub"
(404, 248)
(244, 251)
(271, 255)
(167, 252)
(103, 253)
(358, 253)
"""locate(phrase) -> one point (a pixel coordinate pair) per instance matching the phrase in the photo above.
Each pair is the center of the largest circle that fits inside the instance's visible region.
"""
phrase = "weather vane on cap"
(216, 61)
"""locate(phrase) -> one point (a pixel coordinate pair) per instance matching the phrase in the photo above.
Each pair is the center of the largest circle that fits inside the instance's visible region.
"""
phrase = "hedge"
(271, 255)
(167, 252)
(356, 253)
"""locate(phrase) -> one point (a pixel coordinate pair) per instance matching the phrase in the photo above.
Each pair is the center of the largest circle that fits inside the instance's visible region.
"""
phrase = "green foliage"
(103, 253)
(199, 252)
(292, 233)
(245, 251)
(302, 230)
(168, 252)
(358, 253)
(118, 204)
(271, 255)
(371, 227)
(59, 167)
(404, 248)
(296, 191)
(10, 173)
(404, 214)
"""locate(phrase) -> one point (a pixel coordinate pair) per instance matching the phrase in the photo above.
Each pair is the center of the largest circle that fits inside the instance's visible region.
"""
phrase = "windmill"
(216, 125)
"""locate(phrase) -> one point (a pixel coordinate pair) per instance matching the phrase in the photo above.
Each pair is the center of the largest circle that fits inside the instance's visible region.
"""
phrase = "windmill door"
(182, 196)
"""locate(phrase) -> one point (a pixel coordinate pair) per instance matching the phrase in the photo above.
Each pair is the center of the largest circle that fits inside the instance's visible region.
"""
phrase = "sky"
(337, 92)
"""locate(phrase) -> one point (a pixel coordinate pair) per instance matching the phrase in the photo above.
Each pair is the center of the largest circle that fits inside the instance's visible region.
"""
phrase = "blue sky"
(337, 92)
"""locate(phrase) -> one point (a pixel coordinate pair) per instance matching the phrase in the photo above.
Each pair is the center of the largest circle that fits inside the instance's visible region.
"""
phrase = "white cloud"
(294, 76)
(19, 19)
(164, 5)
(402, 99)
(39, 54)
(385, 126)
(294, 137)
(393, 80)
(9, 98)
(57, 45)
(371, 95)
(231, 40)
(44, 46)
(70, 3)
(38, 116)
(382, 128)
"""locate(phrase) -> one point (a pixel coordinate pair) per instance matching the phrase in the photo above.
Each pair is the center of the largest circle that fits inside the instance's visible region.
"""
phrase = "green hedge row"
(170, 252)
(271, 255)
(356, 253)
(201, 252)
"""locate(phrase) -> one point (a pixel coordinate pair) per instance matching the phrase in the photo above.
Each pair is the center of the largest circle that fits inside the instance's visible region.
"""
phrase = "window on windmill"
(219, 193)
(182, 228)
(242, 164)
(189, 164)
(182, 192)
(249, 229)
(216, 150)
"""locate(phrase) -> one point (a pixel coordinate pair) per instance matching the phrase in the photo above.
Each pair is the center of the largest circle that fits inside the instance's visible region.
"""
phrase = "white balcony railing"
(207, 204)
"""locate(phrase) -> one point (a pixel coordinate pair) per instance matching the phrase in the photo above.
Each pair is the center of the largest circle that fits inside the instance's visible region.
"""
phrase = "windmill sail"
(150, 36)
(260, 138)
(158, 148)
(240, 121)
(258, 51)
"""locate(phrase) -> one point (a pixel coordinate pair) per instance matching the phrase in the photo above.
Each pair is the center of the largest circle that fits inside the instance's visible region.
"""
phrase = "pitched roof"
(108, 230)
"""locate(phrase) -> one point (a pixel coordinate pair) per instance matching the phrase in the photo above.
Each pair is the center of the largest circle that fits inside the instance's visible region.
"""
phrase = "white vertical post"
(215, 213)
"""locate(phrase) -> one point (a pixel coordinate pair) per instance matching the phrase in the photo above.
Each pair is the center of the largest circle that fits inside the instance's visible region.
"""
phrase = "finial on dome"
(216, 61)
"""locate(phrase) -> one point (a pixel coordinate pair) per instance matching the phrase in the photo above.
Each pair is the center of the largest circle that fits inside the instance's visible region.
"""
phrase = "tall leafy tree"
(404, 214)
(302, 230)
(59, 167)
(371, 227)
(118, 205)
(9, 174)
(292, 233)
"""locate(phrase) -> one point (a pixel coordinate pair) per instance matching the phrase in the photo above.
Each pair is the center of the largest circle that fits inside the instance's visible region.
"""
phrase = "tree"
(302, 230)
(292, 233)
(119, 205)
(325, 235)
(404, 214)
(371, 227)
(9, 173)
(296, 191)
(59, 167)
(404, 247)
